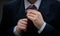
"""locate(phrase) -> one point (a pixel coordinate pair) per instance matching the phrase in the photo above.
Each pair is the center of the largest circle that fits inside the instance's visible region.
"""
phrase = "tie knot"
(32, 7)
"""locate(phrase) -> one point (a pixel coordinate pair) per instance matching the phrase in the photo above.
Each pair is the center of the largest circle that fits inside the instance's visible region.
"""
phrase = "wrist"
(16, 32)
(41, 24)
(17, 29)
(42, 28)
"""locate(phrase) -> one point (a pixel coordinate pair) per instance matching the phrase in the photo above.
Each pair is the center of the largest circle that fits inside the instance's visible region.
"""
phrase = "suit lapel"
(21, 11)
(43, 8)
(18, 11)
(46, 11)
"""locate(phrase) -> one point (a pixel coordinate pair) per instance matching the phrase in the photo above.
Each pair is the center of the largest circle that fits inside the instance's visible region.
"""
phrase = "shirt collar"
(37, 3)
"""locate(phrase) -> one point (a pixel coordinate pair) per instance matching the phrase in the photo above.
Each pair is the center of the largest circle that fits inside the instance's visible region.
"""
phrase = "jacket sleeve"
(49, 31)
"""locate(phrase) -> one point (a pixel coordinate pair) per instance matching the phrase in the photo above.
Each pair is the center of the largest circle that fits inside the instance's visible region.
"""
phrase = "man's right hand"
(21, 25)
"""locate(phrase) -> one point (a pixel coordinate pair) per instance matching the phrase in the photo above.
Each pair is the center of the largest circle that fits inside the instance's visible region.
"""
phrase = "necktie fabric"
(31, 29)
(32, 7)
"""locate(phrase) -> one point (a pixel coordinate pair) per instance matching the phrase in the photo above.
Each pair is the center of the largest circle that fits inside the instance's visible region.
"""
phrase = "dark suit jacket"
(14, 10)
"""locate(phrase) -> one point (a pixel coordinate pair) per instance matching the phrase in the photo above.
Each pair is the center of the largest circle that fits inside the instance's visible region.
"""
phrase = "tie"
(31, 29)
(32, 7)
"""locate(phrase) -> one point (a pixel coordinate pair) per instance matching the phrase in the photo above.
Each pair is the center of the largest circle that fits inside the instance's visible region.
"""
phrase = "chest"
(47, 10)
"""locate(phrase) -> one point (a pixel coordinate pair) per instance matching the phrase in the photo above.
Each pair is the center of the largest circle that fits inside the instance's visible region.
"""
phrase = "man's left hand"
(36, 17)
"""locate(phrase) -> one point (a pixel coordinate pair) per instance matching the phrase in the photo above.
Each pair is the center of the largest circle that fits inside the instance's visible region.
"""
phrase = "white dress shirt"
(27, 4)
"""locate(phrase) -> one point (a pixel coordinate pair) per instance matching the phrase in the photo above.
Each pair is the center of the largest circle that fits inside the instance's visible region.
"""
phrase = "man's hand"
(36, 17)
(21, 25)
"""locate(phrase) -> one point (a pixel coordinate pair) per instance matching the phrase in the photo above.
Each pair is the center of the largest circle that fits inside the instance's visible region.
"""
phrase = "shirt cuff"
(42, 27)
(15, 32)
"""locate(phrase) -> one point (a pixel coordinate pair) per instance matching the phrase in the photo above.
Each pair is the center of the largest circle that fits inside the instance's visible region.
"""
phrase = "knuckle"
(34, 19)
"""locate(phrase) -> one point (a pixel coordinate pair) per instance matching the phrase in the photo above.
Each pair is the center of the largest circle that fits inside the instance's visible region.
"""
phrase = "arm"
(37, 18)
(48, 31)
(42, 28)
(15, 32)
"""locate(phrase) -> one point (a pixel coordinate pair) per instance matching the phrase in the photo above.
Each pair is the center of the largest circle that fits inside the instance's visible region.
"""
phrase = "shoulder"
(11, 4)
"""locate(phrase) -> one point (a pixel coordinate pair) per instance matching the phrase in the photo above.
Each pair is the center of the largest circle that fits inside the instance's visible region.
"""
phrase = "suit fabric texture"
(15, 10)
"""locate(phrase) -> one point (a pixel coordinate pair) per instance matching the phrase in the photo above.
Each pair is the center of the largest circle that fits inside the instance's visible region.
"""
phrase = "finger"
(25, 19)
(30, 17)
(23, 22)
(23, 28)
(32, 11)
(23, 25)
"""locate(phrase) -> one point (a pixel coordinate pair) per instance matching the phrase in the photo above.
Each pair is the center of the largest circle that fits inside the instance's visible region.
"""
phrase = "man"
(20, 19)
